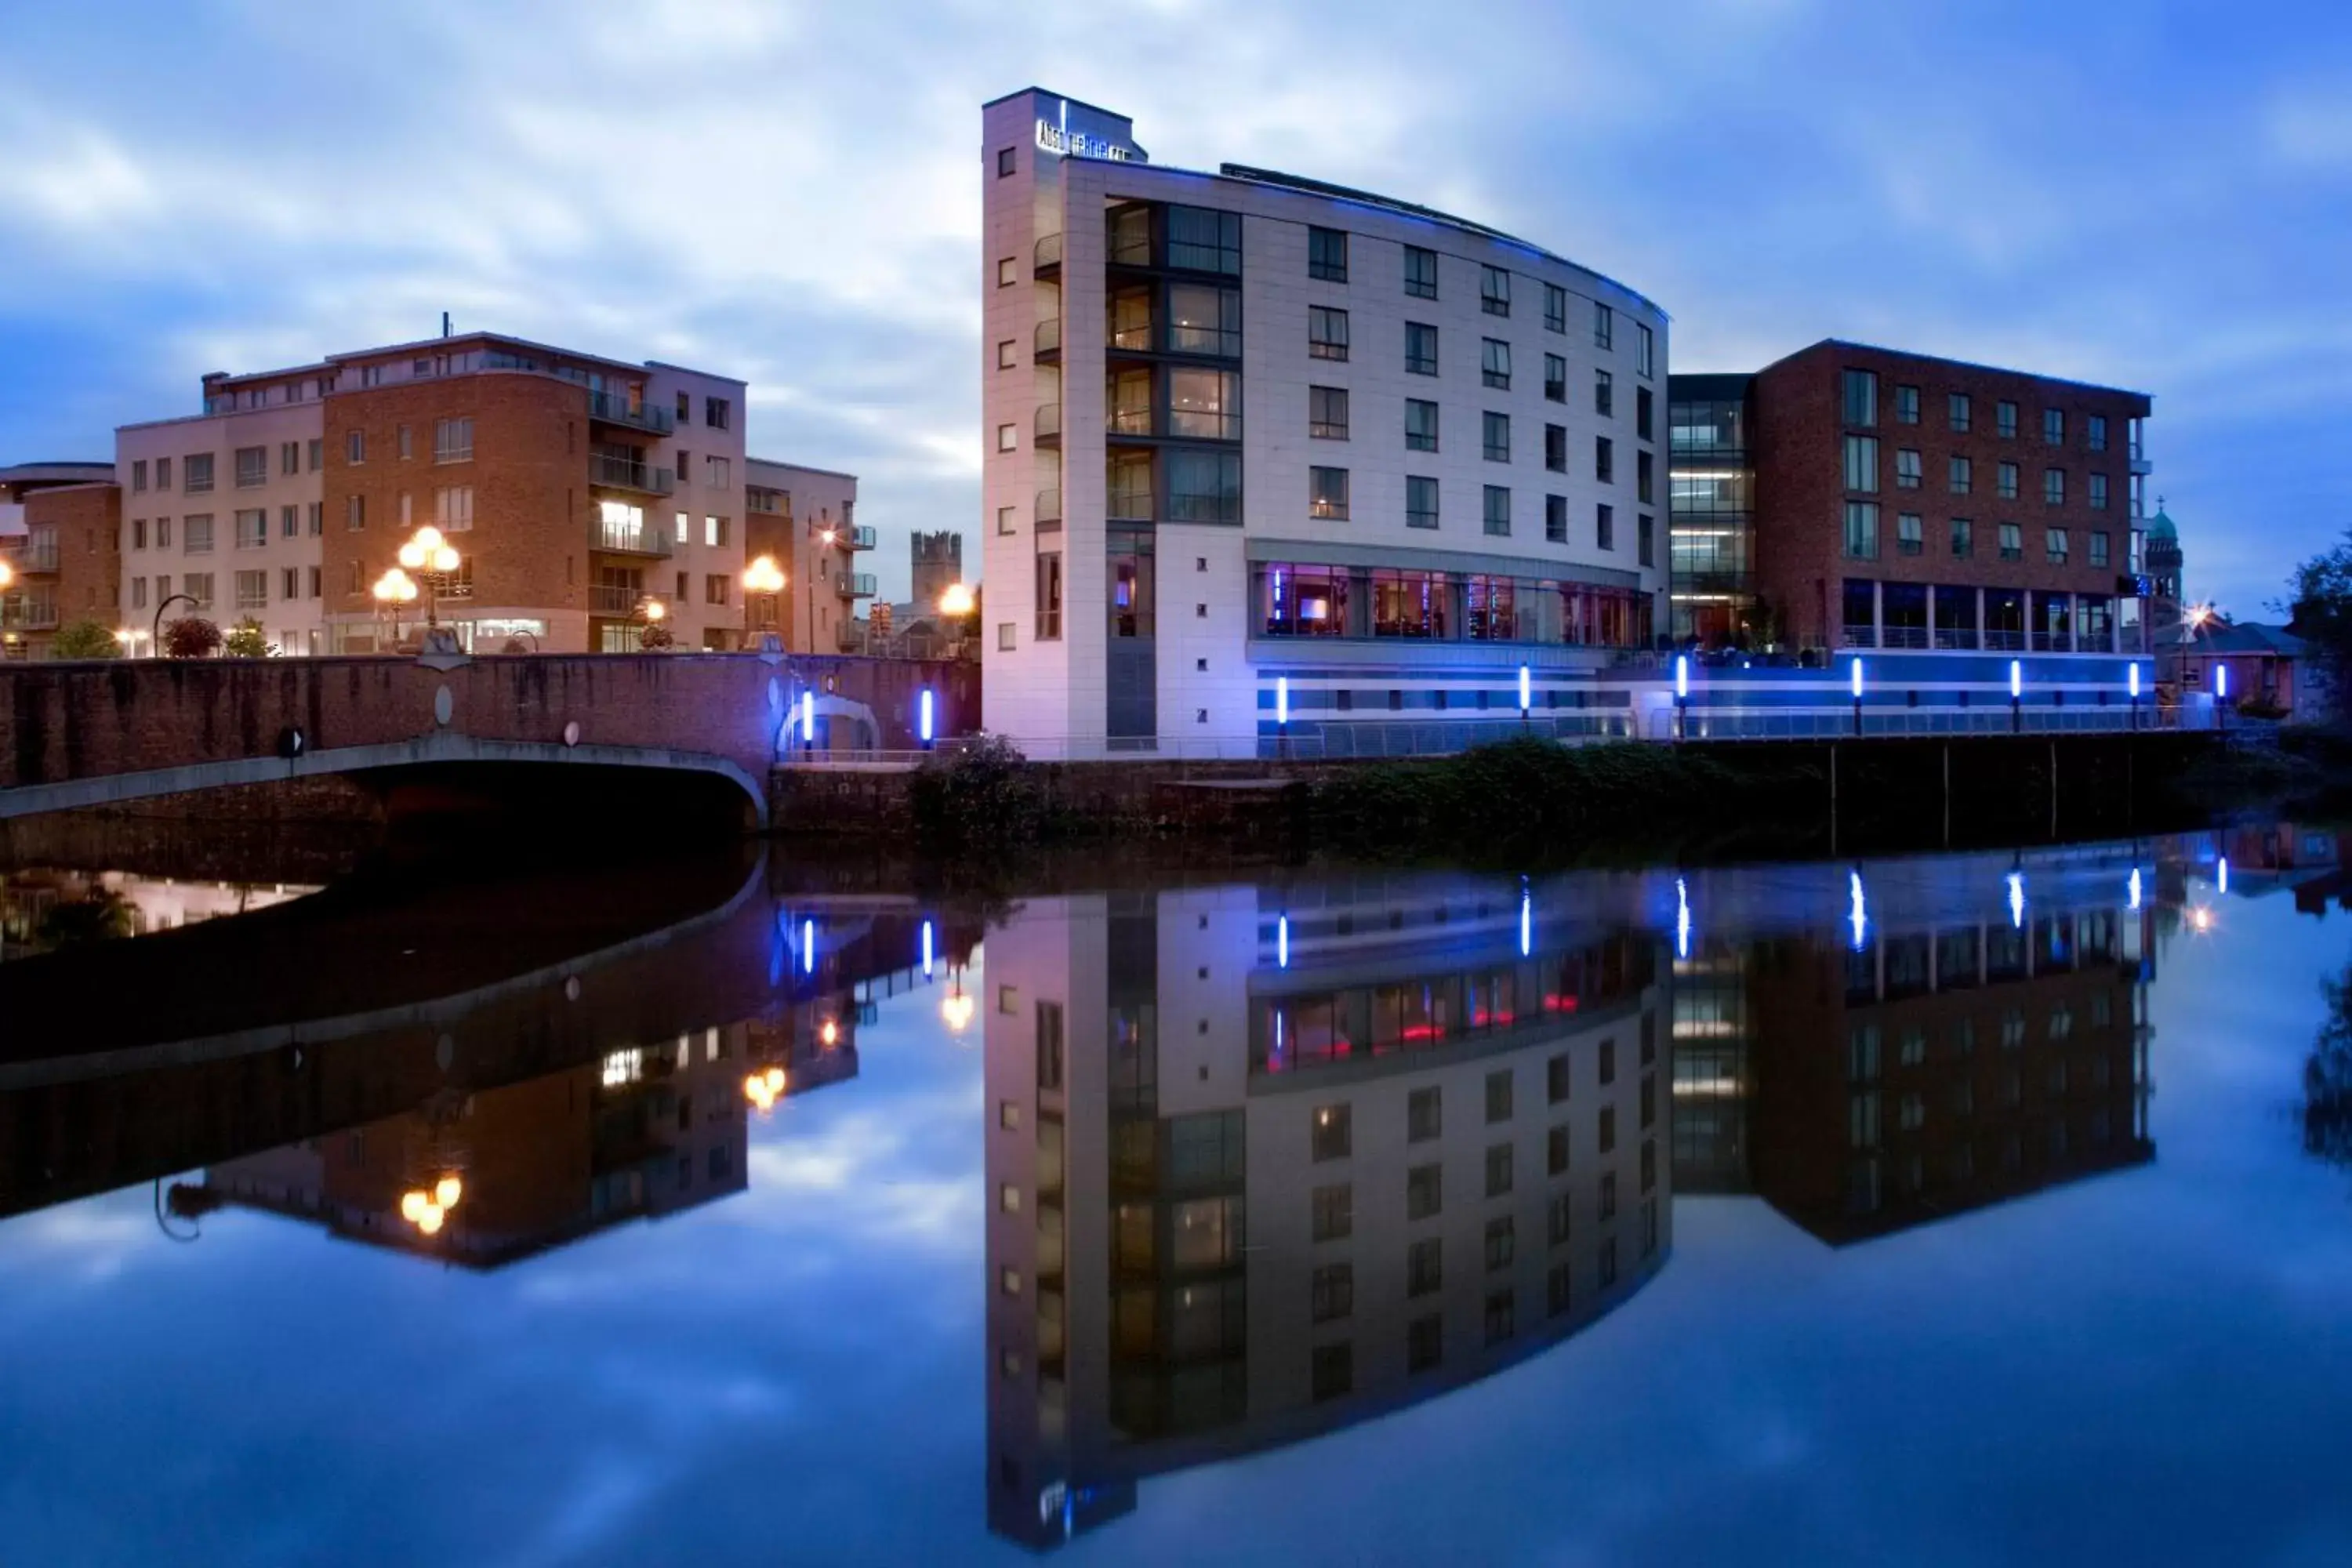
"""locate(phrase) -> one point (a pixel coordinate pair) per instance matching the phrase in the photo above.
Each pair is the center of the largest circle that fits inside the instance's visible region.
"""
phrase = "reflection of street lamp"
(956, 1007)
(432, 557)
(428, 1210)
(764, 576)
(764, 1088)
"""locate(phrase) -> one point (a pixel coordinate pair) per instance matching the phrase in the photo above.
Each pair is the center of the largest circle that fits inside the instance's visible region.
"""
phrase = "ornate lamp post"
(955, 604)
(433, 557)
(391, 591)
(764, 576)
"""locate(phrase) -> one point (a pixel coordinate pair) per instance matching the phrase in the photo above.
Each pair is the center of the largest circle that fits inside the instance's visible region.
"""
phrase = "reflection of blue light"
(1682, 675)
(2132, 887)
(808, 716)
(1281, 941)
(2221, 875)
(926, 949)
(1682, 919)
(1282, 699)
(808, 947)
(923, 720)
(1527, 924)
(1857, 912)
(2017, 900)
(1527, 689)
(1857, 681)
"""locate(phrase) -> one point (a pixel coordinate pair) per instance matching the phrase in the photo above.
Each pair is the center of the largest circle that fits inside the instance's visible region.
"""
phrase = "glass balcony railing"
(615, 408)
(622, 474)
(19, 614)
(629, 538)
(1048, 341)
(613, 599)
(1049, 509)
(1048, 254)
(854, 584)
(1049, 423)
(861, 537)
(2004, 641)
(25, 558)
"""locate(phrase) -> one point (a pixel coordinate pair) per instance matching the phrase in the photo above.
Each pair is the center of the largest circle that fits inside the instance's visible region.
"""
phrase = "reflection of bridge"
(94, 734)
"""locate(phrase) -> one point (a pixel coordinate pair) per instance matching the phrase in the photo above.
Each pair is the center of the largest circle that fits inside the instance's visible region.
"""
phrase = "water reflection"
(43, 908)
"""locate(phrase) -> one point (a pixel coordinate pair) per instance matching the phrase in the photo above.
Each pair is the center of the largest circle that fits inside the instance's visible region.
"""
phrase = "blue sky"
(2157, 195)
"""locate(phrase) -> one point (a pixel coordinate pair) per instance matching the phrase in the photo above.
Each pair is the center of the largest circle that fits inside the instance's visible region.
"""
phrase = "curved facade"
(1266, 456)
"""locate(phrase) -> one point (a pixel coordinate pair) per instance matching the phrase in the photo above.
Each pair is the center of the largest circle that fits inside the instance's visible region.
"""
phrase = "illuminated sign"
(1071, 144)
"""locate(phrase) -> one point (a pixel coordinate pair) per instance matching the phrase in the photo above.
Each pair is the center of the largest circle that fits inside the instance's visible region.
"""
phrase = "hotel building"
(1259, 448)
(576, 490)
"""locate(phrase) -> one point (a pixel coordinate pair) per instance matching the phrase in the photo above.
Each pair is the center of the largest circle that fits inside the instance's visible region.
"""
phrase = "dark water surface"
(1971, 1209)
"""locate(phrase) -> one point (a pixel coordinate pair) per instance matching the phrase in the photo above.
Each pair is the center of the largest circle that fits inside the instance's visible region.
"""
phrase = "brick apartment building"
(578, 491)
(1851, 497)
(805, 520)
(58, 526)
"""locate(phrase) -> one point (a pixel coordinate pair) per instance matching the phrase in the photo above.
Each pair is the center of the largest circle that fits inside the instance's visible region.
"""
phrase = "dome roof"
(2160, 526)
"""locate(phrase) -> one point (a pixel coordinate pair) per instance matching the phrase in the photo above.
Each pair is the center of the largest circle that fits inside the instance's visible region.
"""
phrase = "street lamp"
(391, 591)
(433, 558)
(764, 576)
(956, 603)
(155, 632)
(824, 538)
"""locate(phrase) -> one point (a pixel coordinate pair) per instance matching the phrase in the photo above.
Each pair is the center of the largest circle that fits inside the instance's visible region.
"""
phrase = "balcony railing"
(861, 537)
(2096, 642)
(622, 474)
(1858, 636)
(615, 408)
(1048, 255)
(628, 539)
(854, 584)
(18, 614)
(1049, 424)
(31, 557)
(1049, 509)
(1046, 345)
(1961, 638)
(1903, 636)
(613, 599)
(2053, 642)
(2004, 642)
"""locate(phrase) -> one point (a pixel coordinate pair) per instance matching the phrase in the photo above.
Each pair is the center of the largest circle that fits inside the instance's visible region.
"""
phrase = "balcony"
(1858, 636)
(615, 408)
(1045, 345)
(1049, 510)
(1904, 636)
(627, 539)
(1049, 424)
(1998, 641)
(1048, 256)
(1957, 637)
(860, 537)
(26, 558)
(854, 584)
(2139, 461)
(18, 614)
(620, 473)
(613, 599)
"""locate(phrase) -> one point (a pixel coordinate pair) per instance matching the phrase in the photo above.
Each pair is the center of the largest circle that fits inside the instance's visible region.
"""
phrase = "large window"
(1604, 326)
(1497, 436)
(253, 527)
(1420, 502)
(1556, 449)
(453, 440)
(1862, 464)
(1204, 241)
(1049, 597)
(1327, 332)
(1419, 272)
(1327, 254)
(1326, 494)
(1128, 475)
(1604, 459)
(1130, 558)
(1494, 364)
(1907, 468)
(1555, 519)
(1604, 395)
(1410, 605)
(1861, 530)
(1604, 527)
(1204, 486)
(1555, 308)
(1498, 509)
(252, 467)
(1490, 612)
(1420, 425)
(1910, 534)
(1306, 600)
(1202, 319)
(1326, 412)
(1494, 291)
(1859, 401)
(1420, 348)
(1204, 404)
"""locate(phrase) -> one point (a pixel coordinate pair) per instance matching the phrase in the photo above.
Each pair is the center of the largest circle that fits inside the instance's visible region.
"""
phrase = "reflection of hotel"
(38, 905)
(1262, 1166)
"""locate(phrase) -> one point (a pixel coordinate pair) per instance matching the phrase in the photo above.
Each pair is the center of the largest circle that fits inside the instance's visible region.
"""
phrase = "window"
(1327, 493)
(1424, 1115)
(2005, 481)
(2099, 544)
(1334, 1212)
(1327, 332)
(1498, 511)
(1494, 291)
(1861, 530)
(1645, 541)
(1498, 1170)
(1005, 272)
(1645, 465)
(453, 440)
(2099, 494)
(453, 508)
(1424, 1192)
(315, 519)
(1608, 1141)
(2054, 545)
(718, 473)
(1420, 502)
(1424, 1343)
(139, 476)
(1859, 397)
(198, 585)
(1204, 240)
(1556, 449)
(401, 440)
(1557, 1080)
(138, 592)
(2013, 541)
(1330, 1133)
(1420, 425)
(138, 534)
(1502, 1243)
(252, 529)
(1494, 364)
(196, 473)
(1497, 433)
(1498, 1097)
(1963, 475)
(1906, 405)
(714, 531)
(2094, 432)
(290, 583)
(1049, 597)
(1007, 440)
(1555, 519)
(1006, 162)
(1420, 349)
(252, 467)
(163, 534)
(196, 533)
(1555, 308)
(1907, 468)
(1604, 326)
(1555, 378)
(289, 523)
(290, 458)
(253, 590)
(1862, 463)
(1956, 411)
(717, 413)
(1964, 538)
(1644, 405)
(1419, 272)
(1425, 1267)
(1604, 459)
(1332, 1293)
(162, 473)
(1006, 637)
(1327, 254)
(1909, 533)
(1645, 351)
(2005, 420)
(1604, 527)
(317, 454)
(1604, 395)
(2053, 427)
(1326, 412)
(1004, 360)
(1004, 519)
(354, 446)
(2054, 486)
(1204, 486)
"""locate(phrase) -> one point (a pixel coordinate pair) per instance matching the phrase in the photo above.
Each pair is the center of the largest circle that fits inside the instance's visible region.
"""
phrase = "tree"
(191, 637)
(2319, 606)
(84, 639)
(245, 640)
(656, 638)
(2328, 1078)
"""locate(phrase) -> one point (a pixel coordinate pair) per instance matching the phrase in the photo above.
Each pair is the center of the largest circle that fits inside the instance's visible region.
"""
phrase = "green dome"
(2160, 527)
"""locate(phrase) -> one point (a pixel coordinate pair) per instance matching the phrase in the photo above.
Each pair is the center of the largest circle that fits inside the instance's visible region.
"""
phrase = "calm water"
(1946, 1210)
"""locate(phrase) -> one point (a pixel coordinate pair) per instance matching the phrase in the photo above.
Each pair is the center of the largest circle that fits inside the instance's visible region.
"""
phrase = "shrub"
(980, 795)
(245, 640)
(86, 639)
(191, 637)
(656, 638)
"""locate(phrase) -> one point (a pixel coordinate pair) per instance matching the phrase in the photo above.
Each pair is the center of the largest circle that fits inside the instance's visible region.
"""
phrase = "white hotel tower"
(1273, 462)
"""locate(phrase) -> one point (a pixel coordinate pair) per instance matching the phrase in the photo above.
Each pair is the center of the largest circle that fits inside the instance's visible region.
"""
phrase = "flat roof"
(1065, 98)
(70, 471)
(422, 345)
(1964, 364)
(802, 467)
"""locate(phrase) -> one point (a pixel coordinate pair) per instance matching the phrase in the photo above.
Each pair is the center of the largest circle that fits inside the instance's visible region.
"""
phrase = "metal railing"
(615, 408)
(628, 539)
(860, 537)
(19, 614)
(626, 475)
(1903, 636)
(613, 599)
(31, 557)
(2004, 642)
(1838, 724)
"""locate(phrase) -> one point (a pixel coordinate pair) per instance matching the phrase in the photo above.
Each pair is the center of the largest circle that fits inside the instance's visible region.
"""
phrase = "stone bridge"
(85, 734)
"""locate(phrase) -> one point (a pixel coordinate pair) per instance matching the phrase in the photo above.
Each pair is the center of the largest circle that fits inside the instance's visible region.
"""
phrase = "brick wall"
(89, 523)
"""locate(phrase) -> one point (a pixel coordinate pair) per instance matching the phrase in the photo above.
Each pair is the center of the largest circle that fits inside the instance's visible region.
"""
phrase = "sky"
(2156, 195)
